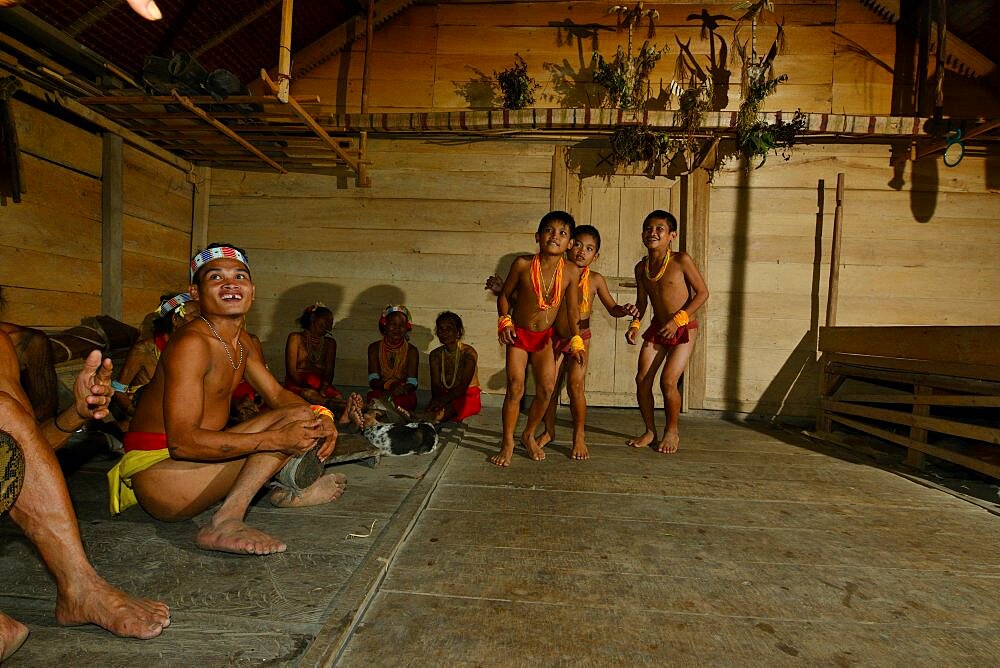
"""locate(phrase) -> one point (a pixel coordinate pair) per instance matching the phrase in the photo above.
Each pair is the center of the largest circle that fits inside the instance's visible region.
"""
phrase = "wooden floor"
(745, 548)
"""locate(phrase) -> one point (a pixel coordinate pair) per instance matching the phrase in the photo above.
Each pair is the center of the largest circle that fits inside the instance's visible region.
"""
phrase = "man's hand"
(669, 330)
(300, 436)
(578, 356)
(631, 335)
(92, 389)
(507, 336)
(330, 443)
(494, 284)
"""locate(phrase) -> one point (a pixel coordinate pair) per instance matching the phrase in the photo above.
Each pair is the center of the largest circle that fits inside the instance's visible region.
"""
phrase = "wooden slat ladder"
(865, 368)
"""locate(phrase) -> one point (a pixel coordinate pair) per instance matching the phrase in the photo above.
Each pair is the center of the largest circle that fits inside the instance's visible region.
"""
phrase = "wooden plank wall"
(50, 243)
(441, 216)
(440, 56)
(922, 254)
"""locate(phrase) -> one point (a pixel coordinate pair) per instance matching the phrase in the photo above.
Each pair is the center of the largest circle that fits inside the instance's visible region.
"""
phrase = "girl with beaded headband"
(455, 393)
(669, 280)
(140, 363)
(311, 358)
(393, 361)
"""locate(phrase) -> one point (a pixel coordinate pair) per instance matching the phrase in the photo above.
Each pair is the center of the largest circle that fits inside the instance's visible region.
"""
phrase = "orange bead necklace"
(539, 286)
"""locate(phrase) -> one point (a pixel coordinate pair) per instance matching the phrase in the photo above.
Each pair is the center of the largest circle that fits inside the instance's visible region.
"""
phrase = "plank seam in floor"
(350, 607)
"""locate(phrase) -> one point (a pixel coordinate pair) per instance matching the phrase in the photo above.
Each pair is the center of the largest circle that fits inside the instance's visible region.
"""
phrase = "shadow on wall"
(796, 383)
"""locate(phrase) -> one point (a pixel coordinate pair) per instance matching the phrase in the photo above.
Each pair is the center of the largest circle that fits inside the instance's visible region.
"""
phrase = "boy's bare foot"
(545, 439)
(12, 635)
(580, 450)
(669, 444)
(94, 601)
(534, 450)
(234, 536)
(503, 458)
(328, 488)
(642, 441)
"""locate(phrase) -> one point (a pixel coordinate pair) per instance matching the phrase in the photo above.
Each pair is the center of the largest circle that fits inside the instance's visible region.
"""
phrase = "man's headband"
(216, 253)
(173, 303)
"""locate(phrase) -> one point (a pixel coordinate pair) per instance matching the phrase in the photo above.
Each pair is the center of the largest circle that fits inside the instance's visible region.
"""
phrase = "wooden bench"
(912, 386)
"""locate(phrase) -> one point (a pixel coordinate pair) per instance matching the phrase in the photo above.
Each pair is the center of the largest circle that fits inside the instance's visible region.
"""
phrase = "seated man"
(44, 512)
(180, 458)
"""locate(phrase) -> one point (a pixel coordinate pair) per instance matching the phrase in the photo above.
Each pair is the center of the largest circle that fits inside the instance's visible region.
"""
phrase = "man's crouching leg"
(328, 488)
(12, 632)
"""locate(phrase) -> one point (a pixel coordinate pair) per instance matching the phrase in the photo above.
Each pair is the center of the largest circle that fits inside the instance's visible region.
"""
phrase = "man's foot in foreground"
(328, 488)
(233, 535)
(97, 602)
(12, 635)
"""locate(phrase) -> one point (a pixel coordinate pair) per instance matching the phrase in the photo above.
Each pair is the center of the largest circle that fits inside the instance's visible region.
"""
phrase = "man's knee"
(515, 387)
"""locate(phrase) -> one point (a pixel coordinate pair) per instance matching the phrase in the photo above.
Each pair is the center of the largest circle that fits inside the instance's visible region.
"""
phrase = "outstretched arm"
(92, 395)
(615, 310)
(641, 301)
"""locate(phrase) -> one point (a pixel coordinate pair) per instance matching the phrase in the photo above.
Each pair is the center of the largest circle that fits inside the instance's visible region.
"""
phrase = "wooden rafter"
(225, 129)
(223, 35)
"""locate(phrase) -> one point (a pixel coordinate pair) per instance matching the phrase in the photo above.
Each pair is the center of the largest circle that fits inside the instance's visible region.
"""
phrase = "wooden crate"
(913, 385)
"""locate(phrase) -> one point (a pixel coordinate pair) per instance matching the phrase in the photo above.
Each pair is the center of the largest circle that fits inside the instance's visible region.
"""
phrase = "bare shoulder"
(373, 346)
(637, 269)
(596, 277)
(469, 351)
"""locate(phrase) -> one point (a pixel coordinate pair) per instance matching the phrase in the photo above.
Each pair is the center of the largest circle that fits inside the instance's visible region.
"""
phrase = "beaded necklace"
(393, 365)
(663, 268)
(314, 347)
(539, 287)
(585, 288)
(224, 346)
(455, 356)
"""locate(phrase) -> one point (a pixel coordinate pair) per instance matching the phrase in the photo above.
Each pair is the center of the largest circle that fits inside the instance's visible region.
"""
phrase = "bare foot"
(641, 441)
(355, 404)
(580, 450)
(234, 536)
(12, 635)
(503, 459)
(671, 440)
(545, 439)
(328, 488)
(97, 602)
(534, 450)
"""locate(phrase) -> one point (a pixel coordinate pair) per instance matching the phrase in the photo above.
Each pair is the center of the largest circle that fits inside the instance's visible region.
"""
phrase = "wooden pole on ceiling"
(942, 32)
(834, 286)
(364, 180)
(226, 130)
(285, 51)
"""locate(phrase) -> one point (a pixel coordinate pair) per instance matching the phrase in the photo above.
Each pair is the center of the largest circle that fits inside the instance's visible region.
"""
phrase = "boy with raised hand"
(541, 282)
(584, 251)
(672, 282)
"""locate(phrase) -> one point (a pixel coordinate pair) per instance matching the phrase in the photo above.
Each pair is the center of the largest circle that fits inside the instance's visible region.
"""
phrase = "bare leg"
(328, 488)
(550, 413)
(12, 635)
(175, 490)
(517, 360)
(45, 514)
(650, 358)
(543, 367)
(677, 360)
(577, 374)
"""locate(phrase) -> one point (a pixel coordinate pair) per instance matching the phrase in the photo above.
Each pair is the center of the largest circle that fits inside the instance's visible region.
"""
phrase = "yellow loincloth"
(120, 477)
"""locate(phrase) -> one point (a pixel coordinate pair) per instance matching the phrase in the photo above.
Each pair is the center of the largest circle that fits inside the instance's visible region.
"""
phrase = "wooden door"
(616, 205)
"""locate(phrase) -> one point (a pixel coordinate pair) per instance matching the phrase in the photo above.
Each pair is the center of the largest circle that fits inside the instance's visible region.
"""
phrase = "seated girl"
(454, 373)
(311, 357)
(393, 360)
(140, 363)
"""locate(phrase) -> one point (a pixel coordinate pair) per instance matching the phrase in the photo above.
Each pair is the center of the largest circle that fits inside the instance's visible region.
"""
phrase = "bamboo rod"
(369, 29)
(285, 51)
(224, 129)
(197, 99)
(834, 287)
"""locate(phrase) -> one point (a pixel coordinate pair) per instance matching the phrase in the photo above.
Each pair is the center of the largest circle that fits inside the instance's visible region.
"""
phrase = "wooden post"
(942, 32)
(285, 51)
(369, 30)
(112, 225)
(199, 211)
(914, 457)
(834, 287)
(697, 200)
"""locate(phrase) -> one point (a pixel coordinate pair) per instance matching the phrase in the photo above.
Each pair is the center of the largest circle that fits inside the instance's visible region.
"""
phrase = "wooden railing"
(932, 390)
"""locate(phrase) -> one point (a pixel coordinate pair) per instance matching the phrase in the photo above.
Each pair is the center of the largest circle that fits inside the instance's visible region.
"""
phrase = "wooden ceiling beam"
(223, 35)
(226, 130)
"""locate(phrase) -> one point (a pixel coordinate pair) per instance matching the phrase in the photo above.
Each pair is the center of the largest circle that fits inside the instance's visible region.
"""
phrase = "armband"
(635, 324)
(681, 318)
(503, 322)
(576, 344)
(322, 410)
(373, 376)
(412, 381)
(55, 421)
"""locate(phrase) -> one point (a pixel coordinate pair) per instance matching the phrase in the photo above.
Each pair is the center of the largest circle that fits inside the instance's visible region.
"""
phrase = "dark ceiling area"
(237, 35)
